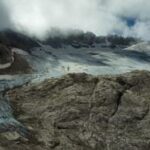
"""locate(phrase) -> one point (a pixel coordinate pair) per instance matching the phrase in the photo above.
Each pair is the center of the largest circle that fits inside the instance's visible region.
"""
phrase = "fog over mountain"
(103, 17)
(4, 17)
(36, 17)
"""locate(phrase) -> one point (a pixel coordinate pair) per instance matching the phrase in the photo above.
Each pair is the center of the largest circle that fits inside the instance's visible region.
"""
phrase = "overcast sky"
(37, 17)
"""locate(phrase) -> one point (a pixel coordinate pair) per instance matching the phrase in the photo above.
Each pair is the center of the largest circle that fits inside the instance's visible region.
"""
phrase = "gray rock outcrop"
(82, 112)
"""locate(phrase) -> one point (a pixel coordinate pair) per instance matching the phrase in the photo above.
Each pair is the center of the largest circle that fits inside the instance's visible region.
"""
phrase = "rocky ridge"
(83, 112)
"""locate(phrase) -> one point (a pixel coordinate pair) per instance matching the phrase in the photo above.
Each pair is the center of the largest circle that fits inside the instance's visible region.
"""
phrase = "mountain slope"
(12, 62)
(140, 47)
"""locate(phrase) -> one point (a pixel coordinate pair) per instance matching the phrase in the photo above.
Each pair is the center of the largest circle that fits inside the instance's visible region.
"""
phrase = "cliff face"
(82, 112)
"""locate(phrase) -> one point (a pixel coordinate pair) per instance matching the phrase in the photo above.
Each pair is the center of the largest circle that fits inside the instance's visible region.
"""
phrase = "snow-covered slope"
(82, 53)
(51, 62)
(140, 47)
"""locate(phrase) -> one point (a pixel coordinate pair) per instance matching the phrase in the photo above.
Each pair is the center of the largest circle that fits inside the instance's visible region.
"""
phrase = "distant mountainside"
(14, 39)
(75, 52)
(25, 52)
(88, 40)
(22, 41)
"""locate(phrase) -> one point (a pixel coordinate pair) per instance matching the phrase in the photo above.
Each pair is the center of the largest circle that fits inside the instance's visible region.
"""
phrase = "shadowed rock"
(16, 39)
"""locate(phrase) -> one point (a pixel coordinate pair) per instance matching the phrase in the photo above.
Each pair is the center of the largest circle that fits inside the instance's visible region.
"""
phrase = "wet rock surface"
(83, 112)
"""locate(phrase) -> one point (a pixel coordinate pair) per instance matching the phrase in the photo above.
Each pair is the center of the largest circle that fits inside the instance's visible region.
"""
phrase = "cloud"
(38, 17)
(4, 17)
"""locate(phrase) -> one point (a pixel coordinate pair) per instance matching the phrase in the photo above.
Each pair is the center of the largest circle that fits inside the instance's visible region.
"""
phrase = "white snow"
(6, 65)
(19, 51)
(140, 47)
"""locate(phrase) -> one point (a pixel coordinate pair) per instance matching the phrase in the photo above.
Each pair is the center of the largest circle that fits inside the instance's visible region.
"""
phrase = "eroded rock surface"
(82, 112)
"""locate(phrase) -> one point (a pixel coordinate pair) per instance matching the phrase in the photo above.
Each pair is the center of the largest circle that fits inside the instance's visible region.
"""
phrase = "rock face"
(82, 112)
(11, 62)
(77, 39)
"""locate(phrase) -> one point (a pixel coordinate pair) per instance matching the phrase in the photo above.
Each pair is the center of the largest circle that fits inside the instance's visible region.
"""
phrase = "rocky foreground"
(82, 112)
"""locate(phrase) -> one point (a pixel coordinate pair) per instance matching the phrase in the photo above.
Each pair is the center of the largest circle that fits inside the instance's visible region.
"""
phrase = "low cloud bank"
(103, 17)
